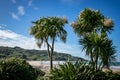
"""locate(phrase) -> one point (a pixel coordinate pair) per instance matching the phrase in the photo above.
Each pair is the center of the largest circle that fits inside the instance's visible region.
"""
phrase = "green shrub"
(18, 69)
(80, 71)
(71, 71)
(112, 76)
(97, 75)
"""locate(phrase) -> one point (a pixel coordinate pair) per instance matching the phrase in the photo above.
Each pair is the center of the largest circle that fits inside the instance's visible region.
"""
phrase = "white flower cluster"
(108, 23)
(74, 24)
(64, 20)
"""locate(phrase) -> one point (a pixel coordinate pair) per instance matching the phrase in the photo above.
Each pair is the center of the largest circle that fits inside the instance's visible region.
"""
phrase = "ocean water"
(54, 62)
(114, 65)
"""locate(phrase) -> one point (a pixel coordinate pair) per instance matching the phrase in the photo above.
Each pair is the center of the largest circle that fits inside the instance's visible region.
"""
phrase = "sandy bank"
(45, 66)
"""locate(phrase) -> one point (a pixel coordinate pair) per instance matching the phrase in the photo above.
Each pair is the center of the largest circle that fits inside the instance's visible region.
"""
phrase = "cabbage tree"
(47, 30)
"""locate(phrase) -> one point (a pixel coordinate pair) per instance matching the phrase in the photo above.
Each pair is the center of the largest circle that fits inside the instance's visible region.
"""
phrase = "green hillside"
(6, 52)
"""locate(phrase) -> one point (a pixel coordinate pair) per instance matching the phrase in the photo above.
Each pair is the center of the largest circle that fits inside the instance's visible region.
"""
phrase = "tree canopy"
(49, 29)
(92, 28)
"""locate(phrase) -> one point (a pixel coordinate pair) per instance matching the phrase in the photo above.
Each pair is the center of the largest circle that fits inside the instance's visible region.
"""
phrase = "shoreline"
(45, 66)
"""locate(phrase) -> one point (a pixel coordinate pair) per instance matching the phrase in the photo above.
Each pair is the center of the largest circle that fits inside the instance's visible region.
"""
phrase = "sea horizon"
(114, 65)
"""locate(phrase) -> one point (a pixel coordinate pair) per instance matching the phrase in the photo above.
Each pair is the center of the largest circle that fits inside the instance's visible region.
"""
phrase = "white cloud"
(30, 3)
(0, 26)
(15, 16)
(35, 8)
(13, 1)
(68, 1)
(21, 10)
(12, 39)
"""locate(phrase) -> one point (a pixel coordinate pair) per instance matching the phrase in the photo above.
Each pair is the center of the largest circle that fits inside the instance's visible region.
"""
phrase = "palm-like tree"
(46, 29)
(88, 21)
(109, 54)
(99, 48)
(92, 21)
(92, 27)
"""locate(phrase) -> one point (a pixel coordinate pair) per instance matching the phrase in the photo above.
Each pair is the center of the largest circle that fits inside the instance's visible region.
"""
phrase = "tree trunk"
(51, 62)
(106, 66)
(50, 49)
(51, 54)
(96, 61)
(92, 62)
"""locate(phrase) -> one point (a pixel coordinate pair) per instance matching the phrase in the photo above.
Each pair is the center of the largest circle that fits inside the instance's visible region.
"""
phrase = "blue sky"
(16, 17)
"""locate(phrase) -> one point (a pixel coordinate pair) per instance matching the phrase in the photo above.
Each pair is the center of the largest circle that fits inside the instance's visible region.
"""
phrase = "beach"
(45, 66)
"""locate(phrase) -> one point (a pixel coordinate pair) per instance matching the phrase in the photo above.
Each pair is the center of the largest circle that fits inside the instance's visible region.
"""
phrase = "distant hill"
(6, 52)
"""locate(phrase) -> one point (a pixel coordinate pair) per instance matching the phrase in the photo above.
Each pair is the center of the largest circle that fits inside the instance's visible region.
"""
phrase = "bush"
(112, 76)
(18, 69)
(71, 71)
(80, 71)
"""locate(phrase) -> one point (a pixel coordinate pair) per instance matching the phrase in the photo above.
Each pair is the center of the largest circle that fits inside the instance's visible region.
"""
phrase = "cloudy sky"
(16, 17)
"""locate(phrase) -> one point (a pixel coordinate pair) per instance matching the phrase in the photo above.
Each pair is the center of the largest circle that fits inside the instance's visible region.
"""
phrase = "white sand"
(45, 66)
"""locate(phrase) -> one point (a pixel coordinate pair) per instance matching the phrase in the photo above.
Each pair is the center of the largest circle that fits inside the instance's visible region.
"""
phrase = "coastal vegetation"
(49, 29)
(18, 69)
(92, 29)
(39, 55)
(81, 71)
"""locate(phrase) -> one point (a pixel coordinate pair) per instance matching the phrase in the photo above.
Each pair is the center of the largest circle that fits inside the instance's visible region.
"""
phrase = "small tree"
(92, 27)
(18, 69)
(46, 29)
(99, 49)
(89, 21)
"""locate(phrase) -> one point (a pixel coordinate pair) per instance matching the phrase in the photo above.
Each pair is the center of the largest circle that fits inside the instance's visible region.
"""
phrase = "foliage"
(112, 76)
(98, 48)
(90, 20)
(18, 69)
(71, 71)
(66, 71)
(49, 27)
(80, 71)
(46, 29)
(6, 52)
(92, 27)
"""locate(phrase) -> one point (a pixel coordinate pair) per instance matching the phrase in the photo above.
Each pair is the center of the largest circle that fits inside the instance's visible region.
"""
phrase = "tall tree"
(109, 54)
(92, 27)
(47, 30)
(99, 49)
(88, 21)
